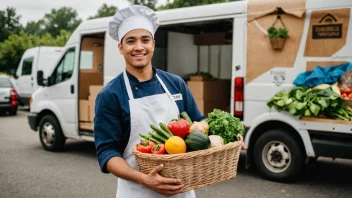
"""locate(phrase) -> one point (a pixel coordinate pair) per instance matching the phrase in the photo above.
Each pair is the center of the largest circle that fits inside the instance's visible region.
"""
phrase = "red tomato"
(347, 90)
(158, 149)
(145, 146)
(179, 128)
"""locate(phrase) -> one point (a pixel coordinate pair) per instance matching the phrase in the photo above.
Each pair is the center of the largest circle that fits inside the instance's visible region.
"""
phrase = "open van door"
(63, 89)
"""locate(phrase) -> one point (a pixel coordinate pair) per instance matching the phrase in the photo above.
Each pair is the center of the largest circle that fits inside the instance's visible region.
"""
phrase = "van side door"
(25, 79)
(63, 90)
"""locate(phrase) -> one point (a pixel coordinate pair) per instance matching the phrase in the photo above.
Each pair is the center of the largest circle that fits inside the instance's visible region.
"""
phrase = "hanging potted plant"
(277, 37)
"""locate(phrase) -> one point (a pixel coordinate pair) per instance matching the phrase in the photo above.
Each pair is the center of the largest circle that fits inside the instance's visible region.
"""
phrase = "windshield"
(5, 82)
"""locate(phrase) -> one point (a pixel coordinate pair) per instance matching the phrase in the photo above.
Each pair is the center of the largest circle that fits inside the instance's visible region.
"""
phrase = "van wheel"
(278, 155)
(50, 134)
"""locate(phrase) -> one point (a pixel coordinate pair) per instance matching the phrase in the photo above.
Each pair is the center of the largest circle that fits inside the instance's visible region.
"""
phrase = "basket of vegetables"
(198, 153)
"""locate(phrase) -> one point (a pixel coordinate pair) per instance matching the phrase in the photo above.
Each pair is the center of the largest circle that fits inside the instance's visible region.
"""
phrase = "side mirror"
(40, 78)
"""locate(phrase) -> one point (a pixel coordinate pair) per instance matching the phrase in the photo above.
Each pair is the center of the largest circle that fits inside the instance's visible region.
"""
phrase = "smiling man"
(141, 95)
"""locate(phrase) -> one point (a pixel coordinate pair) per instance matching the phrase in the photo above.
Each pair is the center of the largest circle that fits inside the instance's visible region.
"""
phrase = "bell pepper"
(145, 146)
(158, 149)
(179, 127)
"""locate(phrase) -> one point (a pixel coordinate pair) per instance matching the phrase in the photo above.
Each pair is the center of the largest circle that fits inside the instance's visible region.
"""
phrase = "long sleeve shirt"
(112, 112)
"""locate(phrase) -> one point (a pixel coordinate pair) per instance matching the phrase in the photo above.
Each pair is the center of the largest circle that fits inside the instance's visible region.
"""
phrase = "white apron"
(145, 111)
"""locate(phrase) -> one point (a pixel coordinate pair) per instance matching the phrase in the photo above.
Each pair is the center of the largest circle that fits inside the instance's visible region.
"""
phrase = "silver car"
(8, 96)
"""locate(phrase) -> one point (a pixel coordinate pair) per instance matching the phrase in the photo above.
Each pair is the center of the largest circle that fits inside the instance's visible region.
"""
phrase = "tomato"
(350, 95)
(158, 149)
(347, 90)
(179, 128)
(145, 146)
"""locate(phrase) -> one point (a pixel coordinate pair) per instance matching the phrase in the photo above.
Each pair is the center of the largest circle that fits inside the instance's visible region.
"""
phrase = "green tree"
(9, 23)
(35, 28)
(12, 49)
(64, 18)
(105, 11)
(188, 3)
(149, 3)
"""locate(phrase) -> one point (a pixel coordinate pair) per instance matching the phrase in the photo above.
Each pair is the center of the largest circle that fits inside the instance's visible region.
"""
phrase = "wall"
(183, 60)
(182, 54)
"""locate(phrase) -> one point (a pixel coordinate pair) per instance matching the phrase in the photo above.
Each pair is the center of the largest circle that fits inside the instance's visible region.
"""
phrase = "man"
(138, 97)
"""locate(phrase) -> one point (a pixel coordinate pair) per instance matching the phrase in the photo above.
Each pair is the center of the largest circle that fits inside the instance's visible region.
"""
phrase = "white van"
(34, 59)
(229, 41)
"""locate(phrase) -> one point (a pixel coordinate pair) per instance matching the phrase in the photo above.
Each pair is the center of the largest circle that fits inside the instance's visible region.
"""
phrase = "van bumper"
(32, 121)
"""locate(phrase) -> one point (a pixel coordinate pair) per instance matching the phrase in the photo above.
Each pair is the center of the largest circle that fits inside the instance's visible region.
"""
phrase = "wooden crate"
(325, 120)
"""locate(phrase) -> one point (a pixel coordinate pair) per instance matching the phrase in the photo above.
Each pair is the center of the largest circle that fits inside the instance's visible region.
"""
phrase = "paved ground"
(26, 170)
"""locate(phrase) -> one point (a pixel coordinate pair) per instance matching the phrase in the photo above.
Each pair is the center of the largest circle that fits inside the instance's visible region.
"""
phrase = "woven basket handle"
(240, 139)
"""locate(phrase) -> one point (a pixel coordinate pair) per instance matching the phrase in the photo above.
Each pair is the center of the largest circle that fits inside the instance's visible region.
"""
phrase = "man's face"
(137, 48)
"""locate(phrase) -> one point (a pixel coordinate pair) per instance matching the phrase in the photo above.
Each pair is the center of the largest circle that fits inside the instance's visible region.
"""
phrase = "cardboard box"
(86, 80)
(94, 90)
(83, 110)
(210, 90)
(86, 125)
(207, 106)
(91, 108)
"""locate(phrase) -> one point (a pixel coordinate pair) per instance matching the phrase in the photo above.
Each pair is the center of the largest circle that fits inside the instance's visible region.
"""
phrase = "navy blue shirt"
(112, 112)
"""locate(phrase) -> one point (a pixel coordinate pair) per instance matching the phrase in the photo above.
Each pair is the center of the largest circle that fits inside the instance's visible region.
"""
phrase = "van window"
(86, 60)
(27, 66)
(4, 82)
(64, 69)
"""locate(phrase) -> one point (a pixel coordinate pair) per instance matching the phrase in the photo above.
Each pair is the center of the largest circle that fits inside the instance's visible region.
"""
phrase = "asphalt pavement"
(27, 170)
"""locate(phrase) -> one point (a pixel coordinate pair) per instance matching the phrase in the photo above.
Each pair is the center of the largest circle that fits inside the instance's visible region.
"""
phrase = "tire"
(50, 134)
(279, 156)
(13, 112)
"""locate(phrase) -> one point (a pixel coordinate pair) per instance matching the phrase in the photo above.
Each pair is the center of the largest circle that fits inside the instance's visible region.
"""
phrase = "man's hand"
(162, 185)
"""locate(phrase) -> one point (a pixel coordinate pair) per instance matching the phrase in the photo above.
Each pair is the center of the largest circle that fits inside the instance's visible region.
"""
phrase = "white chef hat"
(131, 18)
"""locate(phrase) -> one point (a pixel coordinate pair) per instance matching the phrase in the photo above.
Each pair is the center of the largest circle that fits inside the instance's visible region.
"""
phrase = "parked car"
(8, 95)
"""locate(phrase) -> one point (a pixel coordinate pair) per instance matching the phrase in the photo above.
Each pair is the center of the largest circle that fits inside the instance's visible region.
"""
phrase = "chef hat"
(131, 18)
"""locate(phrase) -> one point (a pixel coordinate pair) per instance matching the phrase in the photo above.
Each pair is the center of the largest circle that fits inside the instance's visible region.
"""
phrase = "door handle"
(72, 89)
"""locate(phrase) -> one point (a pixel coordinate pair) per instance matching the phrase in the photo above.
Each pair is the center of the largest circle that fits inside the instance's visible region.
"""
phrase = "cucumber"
(154, 140)
(160, 131)
(186, 117)
(157, 136)
(150, 138)
(144, 136)
(164, 127)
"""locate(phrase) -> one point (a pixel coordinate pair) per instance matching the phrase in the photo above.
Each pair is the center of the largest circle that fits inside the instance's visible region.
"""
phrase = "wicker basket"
(196, 169)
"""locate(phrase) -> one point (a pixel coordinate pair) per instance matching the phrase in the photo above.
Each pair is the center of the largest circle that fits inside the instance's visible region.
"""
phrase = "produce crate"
(196, 169)
(348, 102)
